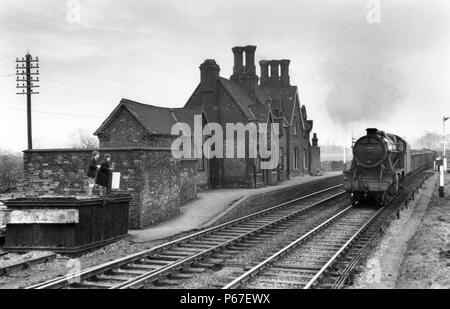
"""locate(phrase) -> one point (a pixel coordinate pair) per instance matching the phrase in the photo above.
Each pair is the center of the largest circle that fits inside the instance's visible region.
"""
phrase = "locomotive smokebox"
(370, 151)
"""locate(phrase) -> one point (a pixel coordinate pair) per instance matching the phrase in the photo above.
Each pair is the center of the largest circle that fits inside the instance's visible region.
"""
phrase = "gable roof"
(155, 120)
(239, 97)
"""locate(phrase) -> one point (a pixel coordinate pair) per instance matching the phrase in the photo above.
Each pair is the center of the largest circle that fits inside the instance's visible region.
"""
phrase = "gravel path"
(427, 261)
(384, 267)
(63, 265)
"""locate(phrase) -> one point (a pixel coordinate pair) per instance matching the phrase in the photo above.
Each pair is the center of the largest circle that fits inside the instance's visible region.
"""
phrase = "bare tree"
(80, 139)
(11, 168)
(430, 140)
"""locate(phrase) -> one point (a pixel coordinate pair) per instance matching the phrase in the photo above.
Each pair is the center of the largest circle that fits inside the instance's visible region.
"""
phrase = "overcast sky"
(351, 74)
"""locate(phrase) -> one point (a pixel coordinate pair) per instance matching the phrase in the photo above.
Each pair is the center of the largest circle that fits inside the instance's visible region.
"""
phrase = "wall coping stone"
(100, 150)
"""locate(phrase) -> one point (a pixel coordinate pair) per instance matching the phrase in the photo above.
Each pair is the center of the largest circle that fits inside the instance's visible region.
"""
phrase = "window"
(296, 154)
(295, 126)
(305, 160)
(258, 165)
(281, 163)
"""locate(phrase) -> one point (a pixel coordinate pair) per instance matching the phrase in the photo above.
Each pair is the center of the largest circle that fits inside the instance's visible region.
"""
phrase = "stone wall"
(150, 175)
(316, 166)
(188, 178)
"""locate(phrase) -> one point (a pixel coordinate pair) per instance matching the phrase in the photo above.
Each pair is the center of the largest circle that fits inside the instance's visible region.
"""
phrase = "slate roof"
(156, 120)
(239, 96)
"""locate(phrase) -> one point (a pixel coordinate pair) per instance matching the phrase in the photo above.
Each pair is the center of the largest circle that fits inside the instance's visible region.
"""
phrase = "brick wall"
(150, 175)
(188, 178)
(125, 131)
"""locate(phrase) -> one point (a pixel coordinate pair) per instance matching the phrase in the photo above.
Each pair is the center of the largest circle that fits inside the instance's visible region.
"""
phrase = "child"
(92, 171)
(104, 174)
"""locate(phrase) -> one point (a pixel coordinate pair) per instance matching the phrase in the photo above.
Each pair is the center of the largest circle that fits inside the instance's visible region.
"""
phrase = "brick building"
(243, 98)
(139, 138)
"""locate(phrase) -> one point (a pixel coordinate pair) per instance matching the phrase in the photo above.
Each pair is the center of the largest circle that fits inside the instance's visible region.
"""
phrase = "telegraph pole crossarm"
(27, 72)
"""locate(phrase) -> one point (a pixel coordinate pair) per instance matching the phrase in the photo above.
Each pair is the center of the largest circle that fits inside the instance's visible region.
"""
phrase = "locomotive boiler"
(382, 165)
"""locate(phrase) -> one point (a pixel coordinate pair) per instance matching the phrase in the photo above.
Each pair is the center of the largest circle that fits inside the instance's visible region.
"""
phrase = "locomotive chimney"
(372, 131)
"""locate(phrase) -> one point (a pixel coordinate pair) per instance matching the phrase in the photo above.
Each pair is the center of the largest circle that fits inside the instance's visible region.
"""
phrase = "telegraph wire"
(52, 113)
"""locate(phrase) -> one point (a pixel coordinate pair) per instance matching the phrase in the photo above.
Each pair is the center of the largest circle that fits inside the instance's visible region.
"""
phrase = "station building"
(138, 136)
(243, 98)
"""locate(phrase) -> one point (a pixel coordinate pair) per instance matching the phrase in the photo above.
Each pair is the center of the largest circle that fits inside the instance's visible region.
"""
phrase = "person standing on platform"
(92, 171)
(104, 175)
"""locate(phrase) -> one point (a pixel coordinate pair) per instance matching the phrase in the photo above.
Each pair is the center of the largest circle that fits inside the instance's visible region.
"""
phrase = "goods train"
(383, 164)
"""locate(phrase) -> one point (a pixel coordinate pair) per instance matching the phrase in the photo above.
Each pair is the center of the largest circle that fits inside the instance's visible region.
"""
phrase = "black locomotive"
(382, 165)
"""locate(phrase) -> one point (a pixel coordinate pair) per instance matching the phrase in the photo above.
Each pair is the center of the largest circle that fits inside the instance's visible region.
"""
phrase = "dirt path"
(384, 268)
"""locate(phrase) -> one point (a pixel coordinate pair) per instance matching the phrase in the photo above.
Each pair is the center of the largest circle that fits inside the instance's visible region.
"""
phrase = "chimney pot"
(285, 78)
(315, 140)
(250, 68)
(209, 74)
(274, 72)
(238, 60)
(264, 72)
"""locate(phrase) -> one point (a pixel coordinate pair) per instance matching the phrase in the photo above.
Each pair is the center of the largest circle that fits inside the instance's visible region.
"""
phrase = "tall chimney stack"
(245, 76)
(274, 72)
(209, 75)
(264, 72)
(238, 60)
(285, 78)
(250, 68)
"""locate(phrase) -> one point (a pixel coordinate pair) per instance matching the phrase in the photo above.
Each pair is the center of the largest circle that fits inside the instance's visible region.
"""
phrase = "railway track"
(325, 256)
(180, 258)
(304, 260)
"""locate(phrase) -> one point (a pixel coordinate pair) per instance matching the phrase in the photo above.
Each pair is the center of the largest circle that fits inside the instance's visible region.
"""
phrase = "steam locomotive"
(383, 164)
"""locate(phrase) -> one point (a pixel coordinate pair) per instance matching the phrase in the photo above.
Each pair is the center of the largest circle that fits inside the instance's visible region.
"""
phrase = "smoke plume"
(362, 90)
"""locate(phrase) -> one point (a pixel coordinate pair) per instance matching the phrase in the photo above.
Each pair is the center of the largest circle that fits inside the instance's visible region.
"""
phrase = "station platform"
(210, 207)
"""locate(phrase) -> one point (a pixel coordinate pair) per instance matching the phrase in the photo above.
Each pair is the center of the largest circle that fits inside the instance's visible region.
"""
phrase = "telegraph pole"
(27, 71)
(443, 138)
(443, 168)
